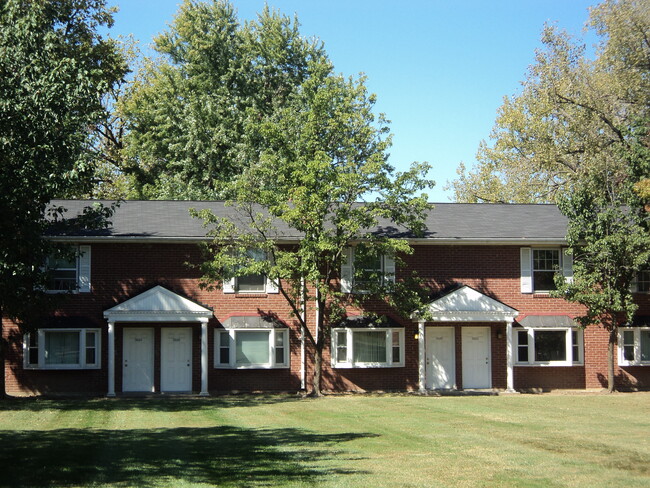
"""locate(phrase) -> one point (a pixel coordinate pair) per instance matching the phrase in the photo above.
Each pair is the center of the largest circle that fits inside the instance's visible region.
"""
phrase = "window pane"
(252, 347)
(396, 348)
(32, 349)
(522, 346)
(643, 281)
(645, 345)
(251, 283)
(550, 345)
(628, 345)
(91, 355)
(224, 348)
(61, 347)
(545, 263)
(369, 347)
(341, 347)
(279, 347)
(544, 280)
(576, 346)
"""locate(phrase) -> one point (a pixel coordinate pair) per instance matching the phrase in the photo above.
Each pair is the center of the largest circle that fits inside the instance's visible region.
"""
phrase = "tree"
(323, 177)
(609, 239)
(573, 112)
(188, 111)
(54, 68)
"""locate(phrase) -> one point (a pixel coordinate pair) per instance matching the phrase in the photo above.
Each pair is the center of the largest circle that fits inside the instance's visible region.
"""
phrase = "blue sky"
(440, 69)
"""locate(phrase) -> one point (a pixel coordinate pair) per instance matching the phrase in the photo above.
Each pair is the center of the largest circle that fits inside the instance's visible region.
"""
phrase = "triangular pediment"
(157, 304)
(466, 304)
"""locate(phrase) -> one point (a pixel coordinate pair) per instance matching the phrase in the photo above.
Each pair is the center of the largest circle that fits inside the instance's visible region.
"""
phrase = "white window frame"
(232, 285)
(82, 271)
(533, 269)
(641, 280)
(349, 361)
(83, 346)
(231, 335)
(637, 347)
(530, 332)
(387, 271)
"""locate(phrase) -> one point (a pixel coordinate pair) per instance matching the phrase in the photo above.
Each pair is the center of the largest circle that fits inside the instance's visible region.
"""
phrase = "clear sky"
(440, 69)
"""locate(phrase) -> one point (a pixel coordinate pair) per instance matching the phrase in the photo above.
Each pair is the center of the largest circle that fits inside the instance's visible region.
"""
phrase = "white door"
(137, 368)
(477, 371)
(441, 358)
(176, 359)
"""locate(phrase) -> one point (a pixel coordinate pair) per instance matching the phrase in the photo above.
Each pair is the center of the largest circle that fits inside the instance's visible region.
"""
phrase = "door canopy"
(158, 305)
(465, 304)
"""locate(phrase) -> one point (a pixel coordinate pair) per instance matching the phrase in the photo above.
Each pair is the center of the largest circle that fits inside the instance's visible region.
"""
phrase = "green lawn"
(341, 441)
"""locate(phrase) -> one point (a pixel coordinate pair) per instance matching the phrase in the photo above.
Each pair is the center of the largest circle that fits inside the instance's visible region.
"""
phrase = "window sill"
(259, 367)
(61, 368)
(365, 366)
(240, 294)
(627, 364)
(546, 365)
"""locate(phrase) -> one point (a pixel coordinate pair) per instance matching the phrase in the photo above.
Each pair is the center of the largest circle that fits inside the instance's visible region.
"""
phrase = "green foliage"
(572, 113)
(54, 68)
(609, 239)
(323, 177)
(190, 110)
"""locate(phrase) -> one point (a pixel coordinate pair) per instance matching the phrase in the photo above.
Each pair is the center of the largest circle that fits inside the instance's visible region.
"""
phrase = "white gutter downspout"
(422, 361)
(510, 377)
(303, 356)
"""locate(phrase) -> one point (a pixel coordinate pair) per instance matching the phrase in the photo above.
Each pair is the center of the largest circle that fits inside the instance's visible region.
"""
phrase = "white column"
(204, 358)
(422, 362)
(510, 376)
(111, 359)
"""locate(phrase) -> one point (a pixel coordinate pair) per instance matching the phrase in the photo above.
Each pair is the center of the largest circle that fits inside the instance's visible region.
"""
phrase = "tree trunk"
(318, 370)
(611, 347)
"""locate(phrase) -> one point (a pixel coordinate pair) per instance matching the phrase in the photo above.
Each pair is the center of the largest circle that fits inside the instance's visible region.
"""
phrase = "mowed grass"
(585, 440)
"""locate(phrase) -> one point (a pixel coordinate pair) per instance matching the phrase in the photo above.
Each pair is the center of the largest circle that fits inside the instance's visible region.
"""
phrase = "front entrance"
(137, 368)
(477, 372)
(176, 359)
(441, 360)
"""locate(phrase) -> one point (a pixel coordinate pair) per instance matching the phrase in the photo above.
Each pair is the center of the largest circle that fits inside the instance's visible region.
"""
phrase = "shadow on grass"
(223, 456)
(158, 403)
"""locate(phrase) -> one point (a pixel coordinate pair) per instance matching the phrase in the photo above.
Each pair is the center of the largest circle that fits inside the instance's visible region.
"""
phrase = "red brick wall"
(121, 271)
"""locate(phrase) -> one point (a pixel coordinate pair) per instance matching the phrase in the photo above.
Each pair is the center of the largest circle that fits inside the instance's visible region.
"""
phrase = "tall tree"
(188, 111)
(54, 68)
(573, 111)
(324, 175)
(609, 239)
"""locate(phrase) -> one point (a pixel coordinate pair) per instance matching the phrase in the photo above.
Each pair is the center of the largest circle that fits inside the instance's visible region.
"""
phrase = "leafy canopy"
(573, 112)
(190, 110)
(54, 68)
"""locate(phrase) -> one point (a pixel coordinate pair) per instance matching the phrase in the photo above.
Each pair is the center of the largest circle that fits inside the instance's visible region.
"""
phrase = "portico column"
(422, 353)
(204, 358)
(510, 377)
(111, 359)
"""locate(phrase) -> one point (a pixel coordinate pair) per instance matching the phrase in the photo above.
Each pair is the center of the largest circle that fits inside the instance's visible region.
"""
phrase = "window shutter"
(271, 286)
(84, 269)
(634, 286)
(229, 285)
(526, 270)
(389, 269)
(567, 266)
(347, 272)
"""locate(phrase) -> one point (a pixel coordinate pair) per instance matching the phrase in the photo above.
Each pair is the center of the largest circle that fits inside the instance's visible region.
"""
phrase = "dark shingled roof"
(164, 219)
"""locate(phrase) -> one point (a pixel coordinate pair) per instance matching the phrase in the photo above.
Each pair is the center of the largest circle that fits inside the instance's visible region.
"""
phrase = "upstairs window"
(360, 272)
(642, 282)
(252, 283)
(70, 274)
(62, 349)
(539, 267)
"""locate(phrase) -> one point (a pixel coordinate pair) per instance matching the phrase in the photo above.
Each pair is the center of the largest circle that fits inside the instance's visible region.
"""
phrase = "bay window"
(546, 346)
(252, 348)
(634, 346)
(368, 347)
(62, 349)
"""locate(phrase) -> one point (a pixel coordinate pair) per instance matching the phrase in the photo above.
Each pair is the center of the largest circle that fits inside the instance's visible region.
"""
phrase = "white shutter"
(271, 286)
(389, 269)
(567, 266)
(347, 270)
(634, 286)
(83, 281)
(526, 270)
(229, 285)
